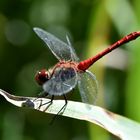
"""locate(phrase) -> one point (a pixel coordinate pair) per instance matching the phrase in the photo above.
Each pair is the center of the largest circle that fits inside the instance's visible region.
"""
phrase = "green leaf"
(120, 126)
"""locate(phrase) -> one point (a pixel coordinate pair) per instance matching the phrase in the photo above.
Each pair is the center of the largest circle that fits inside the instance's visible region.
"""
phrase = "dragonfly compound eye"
(41, 77)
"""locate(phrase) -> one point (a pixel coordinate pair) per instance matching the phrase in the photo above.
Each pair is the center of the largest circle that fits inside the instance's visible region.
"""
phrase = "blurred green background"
(91, 25)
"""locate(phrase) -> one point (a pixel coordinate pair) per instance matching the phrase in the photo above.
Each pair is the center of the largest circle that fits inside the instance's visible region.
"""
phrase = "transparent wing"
(88, 87)
(73, 53)
(62, 81)
(60, 49)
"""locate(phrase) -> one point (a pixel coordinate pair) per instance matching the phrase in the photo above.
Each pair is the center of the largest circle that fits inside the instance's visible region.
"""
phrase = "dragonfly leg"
(59, 112)
(64, 106)
(49, 102)
(41, 95)
(41, 104)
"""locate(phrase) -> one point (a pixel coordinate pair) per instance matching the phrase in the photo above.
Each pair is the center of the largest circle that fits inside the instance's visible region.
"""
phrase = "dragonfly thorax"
(61, 79)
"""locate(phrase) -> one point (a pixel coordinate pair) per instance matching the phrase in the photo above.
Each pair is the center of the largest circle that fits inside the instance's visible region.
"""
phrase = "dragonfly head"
(41, 76)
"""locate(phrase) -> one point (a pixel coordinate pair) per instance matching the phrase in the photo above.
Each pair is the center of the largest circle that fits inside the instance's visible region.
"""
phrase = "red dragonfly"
(69, 72)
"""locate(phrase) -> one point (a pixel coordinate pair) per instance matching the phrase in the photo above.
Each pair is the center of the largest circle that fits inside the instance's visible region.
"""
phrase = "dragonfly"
(70, 71)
